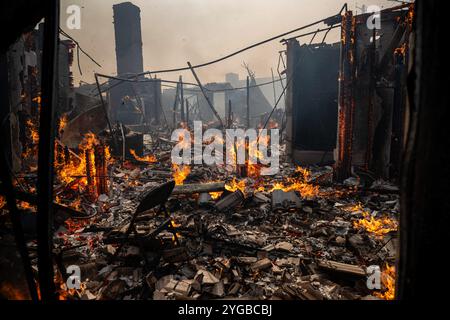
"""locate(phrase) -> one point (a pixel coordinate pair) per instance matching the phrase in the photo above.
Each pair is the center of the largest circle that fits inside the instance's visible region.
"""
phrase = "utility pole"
(187, 112)
(182, 100)
(248, 102)
(230, 119)
(175, 107)
(47, 121)
(273, 84)
(206, 96)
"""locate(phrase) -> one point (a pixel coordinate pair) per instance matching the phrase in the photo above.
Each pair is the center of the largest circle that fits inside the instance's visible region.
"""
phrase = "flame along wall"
(372, 94)
(346, 111)
(371, 103)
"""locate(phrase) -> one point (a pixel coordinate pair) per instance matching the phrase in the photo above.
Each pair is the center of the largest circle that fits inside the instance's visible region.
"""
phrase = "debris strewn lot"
(295, 235)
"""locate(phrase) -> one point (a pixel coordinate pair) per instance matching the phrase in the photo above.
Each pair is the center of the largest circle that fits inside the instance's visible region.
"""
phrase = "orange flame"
(34, 132)
(388, 281)
(300, 184)
(30, 151)
(180, 173)
(62, 124)
(76, 168)
(215, 195)
(377, 227)
(234, 185)
(22, 205)
(148, 158)
(173, 224)
(37, 99)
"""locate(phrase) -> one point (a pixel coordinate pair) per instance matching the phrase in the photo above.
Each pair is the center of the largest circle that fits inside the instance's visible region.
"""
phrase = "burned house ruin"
(88, 177)
(349, 97)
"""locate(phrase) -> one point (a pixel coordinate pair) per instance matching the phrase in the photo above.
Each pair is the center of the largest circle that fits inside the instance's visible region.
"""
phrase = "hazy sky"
(177, 31)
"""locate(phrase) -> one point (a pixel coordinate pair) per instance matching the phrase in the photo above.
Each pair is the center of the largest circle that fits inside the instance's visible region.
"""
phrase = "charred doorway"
(315, 72)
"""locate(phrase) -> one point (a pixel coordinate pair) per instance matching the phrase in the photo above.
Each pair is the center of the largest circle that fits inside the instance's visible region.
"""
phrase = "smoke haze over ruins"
(177, 31)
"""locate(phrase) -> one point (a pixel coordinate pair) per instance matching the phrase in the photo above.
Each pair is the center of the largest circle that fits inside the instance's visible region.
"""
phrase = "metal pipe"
(182, 100)
(248, 102)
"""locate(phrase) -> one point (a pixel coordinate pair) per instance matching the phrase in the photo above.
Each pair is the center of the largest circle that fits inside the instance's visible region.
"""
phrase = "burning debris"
(289, 236)
(388, 281)
(180, 173)
(148, 158)
(376, 226)
(141, 226)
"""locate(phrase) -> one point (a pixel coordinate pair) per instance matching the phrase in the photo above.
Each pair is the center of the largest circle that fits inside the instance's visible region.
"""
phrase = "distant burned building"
(234, 91)
(22, 72)
(139, 101)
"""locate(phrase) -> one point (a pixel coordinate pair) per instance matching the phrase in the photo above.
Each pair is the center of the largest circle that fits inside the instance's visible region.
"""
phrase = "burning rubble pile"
(295, 235)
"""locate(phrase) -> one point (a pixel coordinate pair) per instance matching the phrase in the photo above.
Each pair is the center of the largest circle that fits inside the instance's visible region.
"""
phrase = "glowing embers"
(173, 227)
(30, 148)
(215, 195)
(65, 293)
(11, 292)
(2, 201)
(22, 205)
(74, 225)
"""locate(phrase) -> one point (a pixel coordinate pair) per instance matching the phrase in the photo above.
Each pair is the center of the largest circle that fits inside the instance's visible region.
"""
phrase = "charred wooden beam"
(346, 98)
(230, 201)
(371, 106)
(398, 114)
(47, 120)
(90, 177)
(342, 268)
(199, 188)
(33, 200)
(389, 52)
(230, 117)
(101, 173)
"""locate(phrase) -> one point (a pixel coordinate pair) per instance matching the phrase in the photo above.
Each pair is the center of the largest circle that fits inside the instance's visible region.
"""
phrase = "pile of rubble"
(252, 240)
(296, 235)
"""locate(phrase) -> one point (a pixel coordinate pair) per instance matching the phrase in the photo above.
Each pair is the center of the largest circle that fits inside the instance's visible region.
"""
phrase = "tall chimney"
(127, 28)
